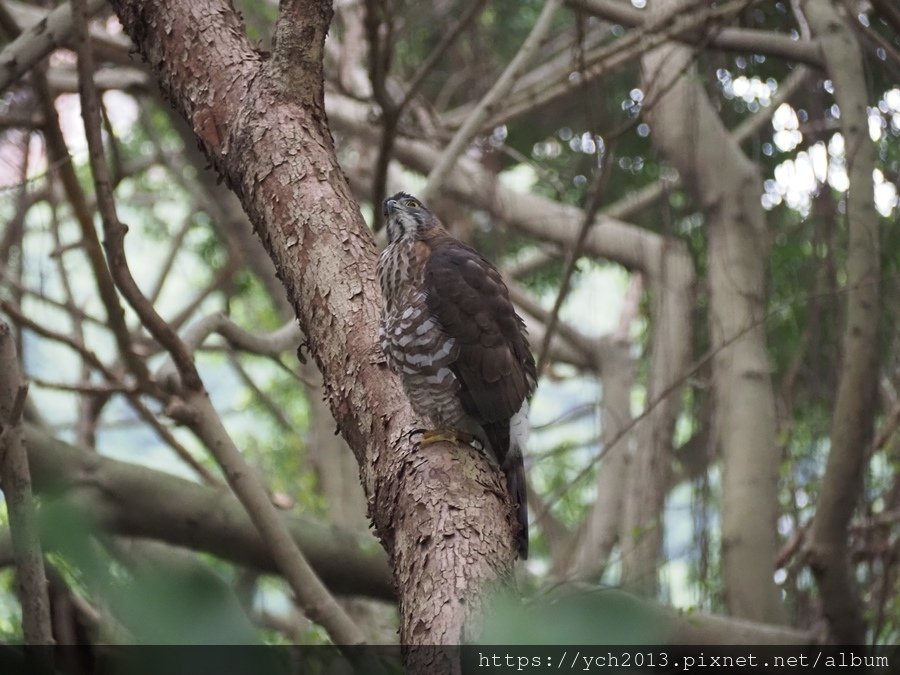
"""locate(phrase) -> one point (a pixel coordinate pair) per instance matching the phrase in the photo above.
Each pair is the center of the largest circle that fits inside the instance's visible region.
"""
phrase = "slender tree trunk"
(671, 277)
(727, 185)
(599, 532)
(854, 411)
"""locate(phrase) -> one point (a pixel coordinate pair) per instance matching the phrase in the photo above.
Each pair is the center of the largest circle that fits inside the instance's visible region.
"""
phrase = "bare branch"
(92, 360)
(311, 593)
(588, 347)
(118, 78)
(605, 59)
(169, 261)
(113, 229)
(440, 48)
(219, 282)
(590, 212)
(391, 113)
(271, 407)
(270, 344)
(59, 155)
(729, 39)
(38, 40)
(134, 501)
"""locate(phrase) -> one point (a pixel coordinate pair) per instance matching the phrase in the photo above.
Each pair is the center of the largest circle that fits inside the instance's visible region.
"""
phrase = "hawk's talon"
(415, 432)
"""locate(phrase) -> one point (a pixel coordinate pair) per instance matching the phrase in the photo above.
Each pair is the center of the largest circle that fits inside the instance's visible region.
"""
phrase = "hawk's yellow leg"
(432, 436)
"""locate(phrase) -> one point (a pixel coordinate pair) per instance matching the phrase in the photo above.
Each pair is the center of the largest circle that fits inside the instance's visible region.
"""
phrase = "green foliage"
(10, 614)
(587, 616)
(166, 604)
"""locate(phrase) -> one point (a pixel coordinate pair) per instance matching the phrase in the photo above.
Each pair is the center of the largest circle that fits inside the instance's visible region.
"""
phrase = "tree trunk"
(590, 548)
(727, 185)
(671, 277)
(854, 411)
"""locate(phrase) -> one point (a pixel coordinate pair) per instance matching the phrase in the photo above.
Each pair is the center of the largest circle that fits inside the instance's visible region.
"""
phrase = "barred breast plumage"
(416, 347)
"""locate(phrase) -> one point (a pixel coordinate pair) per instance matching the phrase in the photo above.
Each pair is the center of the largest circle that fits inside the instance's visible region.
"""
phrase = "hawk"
(449, 330)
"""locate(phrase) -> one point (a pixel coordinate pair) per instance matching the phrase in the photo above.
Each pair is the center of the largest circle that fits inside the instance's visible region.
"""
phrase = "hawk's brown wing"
(495, 368)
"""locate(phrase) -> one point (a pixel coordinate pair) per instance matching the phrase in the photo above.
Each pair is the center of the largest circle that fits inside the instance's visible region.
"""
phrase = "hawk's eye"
(411, 203)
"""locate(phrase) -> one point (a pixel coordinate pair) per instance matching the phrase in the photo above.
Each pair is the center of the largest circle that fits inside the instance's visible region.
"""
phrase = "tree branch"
(729, 39)
(134, 501)
(38, 40)
(91, 359)
(59, 154)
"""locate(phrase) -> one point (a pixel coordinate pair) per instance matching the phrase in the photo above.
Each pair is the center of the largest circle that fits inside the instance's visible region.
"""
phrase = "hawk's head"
(405, 215)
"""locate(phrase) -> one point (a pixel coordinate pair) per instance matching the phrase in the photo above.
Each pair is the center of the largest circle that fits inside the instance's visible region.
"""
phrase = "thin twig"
(770, 43)
(588, 347)
(38, 40)
(590, 212)
(89, 357)
(113, 229)
(89, 408)
(275, 412)
(606, 58)
(380, 52)
(83, 387)
(56, 147)
(169, 261)
(689, 372)
(446, 42)
(221, 279)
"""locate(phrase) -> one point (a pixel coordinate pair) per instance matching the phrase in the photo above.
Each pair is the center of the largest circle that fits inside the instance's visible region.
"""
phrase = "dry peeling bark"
(440, 514)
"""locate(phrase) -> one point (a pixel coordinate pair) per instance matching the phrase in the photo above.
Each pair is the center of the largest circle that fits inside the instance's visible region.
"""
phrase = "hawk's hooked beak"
(389, 206)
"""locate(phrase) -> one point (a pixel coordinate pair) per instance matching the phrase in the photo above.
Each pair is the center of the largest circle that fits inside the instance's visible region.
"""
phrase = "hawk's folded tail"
(507, 442)
(515, 485)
